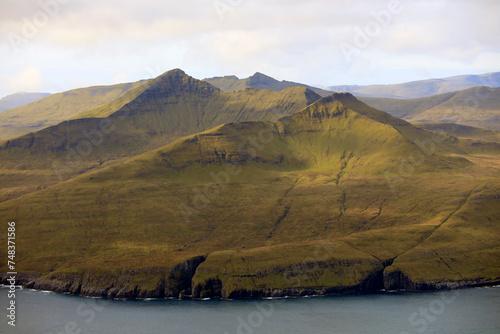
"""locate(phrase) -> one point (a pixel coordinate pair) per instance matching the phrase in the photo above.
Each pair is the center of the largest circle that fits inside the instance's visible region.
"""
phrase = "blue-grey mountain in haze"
(19, 99)
(422, 88)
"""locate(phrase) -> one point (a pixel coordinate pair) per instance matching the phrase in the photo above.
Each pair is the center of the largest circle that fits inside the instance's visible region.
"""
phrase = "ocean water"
(452, 312)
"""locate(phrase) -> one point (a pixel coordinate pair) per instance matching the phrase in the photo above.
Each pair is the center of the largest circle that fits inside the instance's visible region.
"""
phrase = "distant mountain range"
(478, 106)
(409, 90)
(462, 131)
(178, 189)
(19, 99)
(422, 88)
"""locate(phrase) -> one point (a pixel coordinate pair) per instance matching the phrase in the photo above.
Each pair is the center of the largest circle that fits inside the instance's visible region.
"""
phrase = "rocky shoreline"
(88, 286)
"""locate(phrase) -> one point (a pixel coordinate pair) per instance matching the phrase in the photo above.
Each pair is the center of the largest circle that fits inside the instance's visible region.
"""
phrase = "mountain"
(170, 106)
(422, 88)
(56, 108)
(60, 107)
(232, 83)
(19, 99)
(146, 117)
(461, 131)
(477, 107)
(337, 198)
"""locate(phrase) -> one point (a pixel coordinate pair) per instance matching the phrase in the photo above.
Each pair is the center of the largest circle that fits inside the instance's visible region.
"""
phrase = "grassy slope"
(307, 208)
(145, 118)
(465, 246)
(478, 107)
(174, 104)
(56, 108)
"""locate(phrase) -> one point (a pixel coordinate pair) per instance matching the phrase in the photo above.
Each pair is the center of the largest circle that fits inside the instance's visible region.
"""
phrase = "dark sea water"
(454, 312)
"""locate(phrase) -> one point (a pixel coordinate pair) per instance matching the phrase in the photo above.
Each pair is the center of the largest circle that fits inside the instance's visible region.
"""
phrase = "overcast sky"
(56, 45)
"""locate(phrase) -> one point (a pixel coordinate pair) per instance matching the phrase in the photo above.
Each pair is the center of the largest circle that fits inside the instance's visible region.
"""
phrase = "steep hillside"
(337, 198)
(422, 88)
(477, 107)
(169, 106)
(232, 83)
(144, 118)
(19, 99)
(56, 108)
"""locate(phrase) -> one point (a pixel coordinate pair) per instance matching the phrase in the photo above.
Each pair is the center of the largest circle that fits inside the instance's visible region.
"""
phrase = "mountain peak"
(257, 74)
(341, 100)
(173, 73)
(262, 81)
(176, 70)
(339, 97)
(261, 76)
(336, 104)
(178, 80)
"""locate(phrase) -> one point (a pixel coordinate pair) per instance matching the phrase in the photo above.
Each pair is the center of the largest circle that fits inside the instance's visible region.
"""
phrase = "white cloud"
(290, 39)
(28, 80)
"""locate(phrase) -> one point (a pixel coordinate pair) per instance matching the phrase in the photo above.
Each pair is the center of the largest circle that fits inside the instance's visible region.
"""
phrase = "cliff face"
(134, 284)
(394, 279)
(287, 270)
(189, 281)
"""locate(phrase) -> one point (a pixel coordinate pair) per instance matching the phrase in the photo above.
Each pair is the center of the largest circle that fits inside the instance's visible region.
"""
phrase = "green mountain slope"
(167, 107)
(232, 83)
(56, 108)
(337, 198)
(19, 99)
(422, 88)
(146, 117)
(477, 107)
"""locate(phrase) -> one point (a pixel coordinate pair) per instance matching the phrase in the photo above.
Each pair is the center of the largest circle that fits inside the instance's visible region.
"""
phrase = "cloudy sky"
(56, 45)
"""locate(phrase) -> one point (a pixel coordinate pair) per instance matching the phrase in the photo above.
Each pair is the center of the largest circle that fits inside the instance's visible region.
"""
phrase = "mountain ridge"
(167, 92)
(259, 80)
(64, 106)
(422, 88)
(144, 118)
(478, 106)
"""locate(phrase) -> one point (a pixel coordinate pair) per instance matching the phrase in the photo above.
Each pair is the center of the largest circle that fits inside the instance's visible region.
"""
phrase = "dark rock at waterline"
(178, 283)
